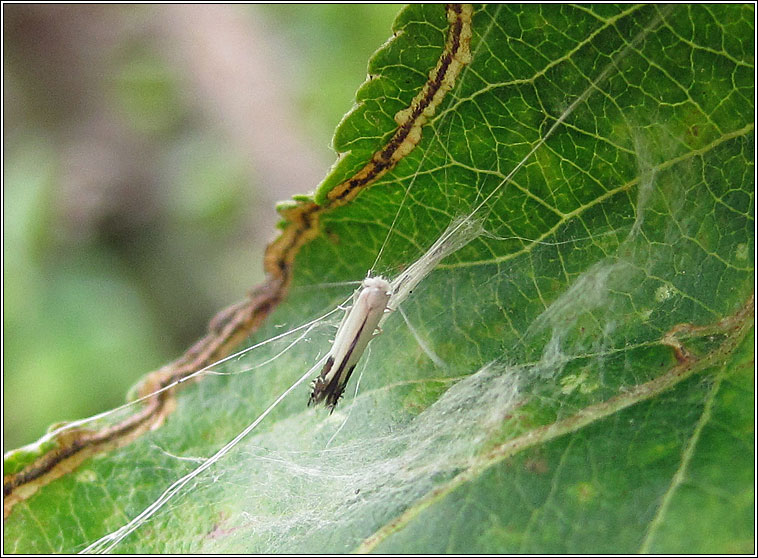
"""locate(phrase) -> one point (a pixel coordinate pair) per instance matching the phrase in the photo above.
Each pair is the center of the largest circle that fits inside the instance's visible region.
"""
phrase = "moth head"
(377, 282)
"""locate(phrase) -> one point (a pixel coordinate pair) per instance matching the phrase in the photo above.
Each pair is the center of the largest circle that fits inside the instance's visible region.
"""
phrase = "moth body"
(356, 330)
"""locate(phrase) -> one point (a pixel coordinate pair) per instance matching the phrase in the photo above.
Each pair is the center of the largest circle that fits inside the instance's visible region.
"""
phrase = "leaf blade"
(644, 191)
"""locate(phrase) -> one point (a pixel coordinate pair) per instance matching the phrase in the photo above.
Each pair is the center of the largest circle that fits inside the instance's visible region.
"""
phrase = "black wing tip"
(329, 393)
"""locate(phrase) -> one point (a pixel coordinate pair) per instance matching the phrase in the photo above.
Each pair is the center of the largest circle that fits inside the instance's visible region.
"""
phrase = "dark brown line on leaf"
(226, 330)
(234, 324)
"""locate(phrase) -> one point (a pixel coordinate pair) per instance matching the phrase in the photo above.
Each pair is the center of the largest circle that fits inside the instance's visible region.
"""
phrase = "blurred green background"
(145, 147)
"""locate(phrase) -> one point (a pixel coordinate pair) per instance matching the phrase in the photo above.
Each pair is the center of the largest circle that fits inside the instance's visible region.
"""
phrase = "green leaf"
(592, 392)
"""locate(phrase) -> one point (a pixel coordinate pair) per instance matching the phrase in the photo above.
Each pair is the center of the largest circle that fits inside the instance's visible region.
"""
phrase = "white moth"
(356, 330)
(372, 302)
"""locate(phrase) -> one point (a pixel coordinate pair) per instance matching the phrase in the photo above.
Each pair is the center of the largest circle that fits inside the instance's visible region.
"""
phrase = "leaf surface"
(576, 380)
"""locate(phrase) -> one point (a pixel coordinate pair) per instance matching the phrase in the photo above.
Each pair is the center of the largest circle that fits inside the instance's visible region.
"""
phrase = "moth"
(358, 327)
